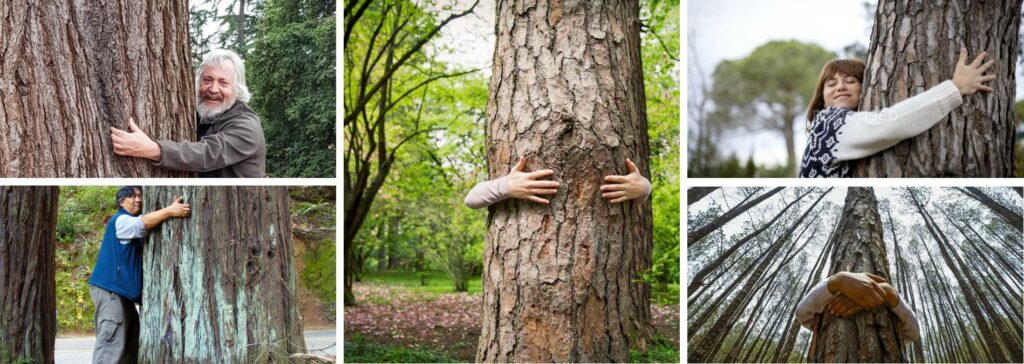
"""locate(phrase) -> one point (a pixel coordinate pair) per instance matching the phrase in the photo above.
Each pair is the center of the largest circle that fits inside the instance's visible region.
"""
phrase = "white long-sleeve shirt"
(491, 192)
(839, 135)
(819, 296)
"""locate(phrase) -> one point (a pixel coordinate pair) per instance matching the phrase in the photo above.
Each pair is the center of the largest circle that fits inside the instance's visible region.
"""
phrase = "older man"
(231, 142)
(116, 281)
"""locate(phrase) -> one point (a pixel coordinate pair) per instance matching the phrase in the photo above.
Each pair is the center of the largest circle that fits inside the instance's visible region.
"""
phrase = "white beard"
(207, 112)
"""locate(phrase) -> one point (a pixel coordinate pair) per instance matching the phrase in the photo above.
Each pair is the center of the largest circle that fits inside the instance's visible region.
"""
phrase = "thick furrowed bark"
(71, 70)
(914, 47)
(561, 281)
(219, 286)
(28, 304)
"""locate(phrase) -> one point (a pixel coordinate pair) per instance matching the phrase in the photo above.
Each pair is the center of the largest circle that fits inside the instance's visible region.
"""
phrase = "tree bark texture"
(869, 335)
(28, 303)
(914, 47)
(562, 281)
(71, 70)
(219, 286)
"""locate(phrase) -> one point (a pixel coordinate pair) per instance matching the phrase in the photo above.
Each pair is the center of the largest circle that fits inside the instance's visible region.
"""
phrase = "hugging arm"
(867, 133)
(843, 293)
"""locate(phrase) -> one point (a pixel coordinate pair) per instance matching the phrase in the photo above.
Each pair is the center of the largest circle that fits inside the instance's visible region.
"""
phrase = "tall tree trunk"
(219, 286)
(240, 27)
(1012, 217)
(562, 281)
(914, 47)
(870, 335)
(699, 233)
(70, 72)
(28, 303)
(694, 194)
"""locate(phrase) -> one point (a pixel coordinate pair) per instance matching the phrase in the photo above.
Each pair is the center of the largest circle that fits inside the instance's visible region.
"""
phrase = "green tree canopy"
(769, 89)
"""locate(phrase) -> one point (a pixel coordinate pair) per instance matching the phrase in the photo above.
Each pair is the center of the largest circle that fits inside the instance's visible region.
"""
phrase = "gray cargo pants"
(117, 328)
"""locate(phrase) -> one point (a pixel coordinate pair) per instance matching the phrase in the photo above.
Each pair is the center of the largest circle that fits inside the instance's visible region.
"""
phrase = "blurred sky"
(731, 29)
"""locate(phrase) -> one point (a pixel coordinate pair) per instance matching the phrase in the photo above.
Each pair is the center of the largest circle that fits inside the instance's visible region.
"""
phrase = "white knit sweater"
(839, 135)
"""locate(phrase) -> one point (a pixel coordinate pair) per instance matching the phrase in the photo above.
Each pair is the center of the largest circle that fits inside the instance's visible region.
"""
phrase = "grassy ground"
(400, 320)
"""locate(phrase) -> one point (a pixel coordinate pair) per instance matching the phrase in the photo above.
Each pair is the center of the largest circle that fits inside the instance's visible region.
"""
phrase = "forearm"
(487, 193)
(152, 219)
(867, 133)
(813, 303)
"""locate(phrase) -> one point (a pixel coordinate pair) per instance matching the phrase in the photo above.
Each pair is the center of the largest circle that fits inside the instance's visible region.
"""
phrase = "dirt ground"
(447, 324)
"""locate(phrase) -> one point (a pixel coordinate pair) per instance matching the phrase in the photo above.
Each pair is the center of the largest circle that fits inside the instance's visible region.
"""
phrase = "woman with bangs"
(838, 135)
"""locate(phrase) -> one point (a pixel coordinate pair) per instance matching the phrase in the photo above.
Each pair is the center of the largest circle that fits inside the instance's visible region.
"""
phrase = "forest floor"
(398, 320)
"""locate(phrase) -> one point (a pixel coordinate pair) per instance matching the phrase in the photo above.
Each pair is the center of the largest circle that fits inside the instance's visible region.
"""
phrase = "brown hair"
(850, 67)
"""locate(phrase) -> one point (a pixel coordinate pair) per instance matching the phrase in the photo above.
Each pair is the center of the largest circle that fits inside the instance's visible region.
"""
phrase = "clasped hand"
(529, 186)
(859, 291)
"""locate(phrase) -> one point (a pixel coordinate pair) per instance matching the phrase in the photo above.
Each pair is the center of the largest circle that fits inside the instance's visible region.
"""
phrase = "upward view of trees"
(953, 254)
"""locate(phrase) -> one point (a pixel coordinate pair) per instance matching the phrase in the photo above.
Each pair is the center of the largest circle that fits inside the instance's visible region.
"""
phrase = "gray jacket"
(230, 145)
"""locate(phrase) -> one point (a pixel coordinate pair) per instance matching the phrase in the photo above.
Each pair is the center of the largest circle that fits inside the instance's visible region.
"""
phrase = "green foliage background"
(289, 52)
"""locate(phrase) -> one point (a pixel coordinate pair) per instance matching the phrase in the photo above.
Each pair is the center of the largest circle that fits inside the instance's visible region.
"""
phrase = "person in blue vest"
(116, 282)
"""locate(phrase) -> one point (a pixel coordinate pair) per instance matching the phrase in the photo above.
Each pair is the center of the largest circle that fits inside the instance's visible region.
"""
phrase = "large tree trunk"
(219, 286)
(28, 303)
(870, 335)
(562, 281)
(71, 70)
(914, 47)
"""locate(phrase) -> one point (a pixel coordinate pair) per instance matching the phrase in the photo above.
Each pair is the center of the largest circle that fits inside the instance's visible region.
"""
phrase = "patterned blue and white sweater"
(838, 137)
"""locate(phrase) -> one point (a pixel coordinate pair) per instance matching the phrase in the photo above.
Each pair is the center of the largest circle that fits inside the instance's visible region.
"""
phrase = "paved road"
(79, 349)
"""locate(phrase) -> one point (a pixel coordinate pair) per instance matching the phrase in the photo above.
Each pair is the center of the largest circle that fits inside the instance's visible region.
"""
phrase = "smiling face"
(133, 203)
(842, 91)
(216, 89)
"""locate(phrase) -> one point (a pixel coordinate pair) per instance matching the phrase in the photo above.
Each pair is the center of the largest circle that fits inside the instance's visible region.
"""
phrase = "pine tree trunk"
(28, 303)
(219, 286)
(914, 47)
(870, 335)
(562, 281)
(1012, 218)
(694, 194)
(74, 69)
(699, 233)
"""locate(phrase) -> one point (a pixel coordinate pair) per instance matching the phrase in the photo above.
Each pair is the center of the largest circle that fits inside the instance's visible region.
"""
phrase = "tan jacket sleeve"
(237, 142)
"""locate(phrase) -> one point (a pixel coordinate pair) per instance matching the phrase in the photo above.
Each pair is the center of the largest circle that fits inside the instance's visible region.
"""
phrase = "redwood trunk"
(870, 335)
(914, 47)
(28, 303)
(219, 286)
(71, 70)
(562, 281)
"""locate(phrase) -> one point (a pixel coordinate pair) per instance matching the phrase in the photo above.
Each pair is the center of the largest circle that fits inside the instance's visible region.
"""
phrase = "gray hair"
(217, 57)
